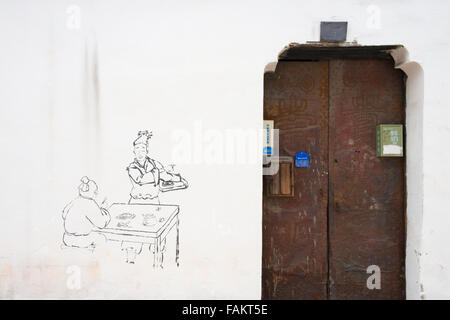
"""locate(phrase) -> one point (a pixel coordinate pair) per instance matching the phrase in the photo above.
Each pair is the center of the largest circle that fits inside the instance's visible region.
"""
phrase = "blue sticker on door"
(302, 160)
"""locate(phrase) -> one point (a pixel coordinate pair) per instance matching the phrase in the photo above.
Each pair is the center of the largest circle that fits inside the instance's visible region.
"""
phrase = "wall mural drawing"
(82, 215)
(142, 222)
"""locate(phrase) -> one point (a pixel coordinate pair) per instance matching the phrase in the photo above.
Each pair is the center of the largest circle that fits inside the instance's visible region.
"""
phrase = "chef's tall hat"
(143, 137)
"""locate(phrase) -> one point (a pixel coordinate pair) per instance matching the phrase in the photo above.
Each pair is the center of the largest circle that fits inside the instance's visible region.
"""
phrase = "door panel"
(344, 212)
(366, 195)
(295, 227)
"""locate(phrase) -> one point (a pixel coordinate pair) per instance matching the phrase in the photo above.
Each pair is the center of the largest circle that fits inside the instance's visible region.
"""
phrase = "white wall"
(72, 100)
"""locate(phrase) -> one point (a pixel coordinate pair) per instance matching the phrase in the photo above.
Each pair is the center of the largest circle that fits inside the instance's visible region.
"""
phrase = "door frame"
(414, 98)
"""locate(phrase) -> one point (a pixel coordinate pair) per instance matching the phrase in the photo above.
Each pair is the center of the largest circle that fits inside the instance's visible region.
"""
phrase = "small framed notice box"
(390, 140)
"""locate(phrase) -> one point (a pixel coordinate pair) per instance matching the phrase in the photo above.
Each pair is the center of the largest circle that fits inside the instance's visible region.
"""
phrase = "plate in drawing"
(149, 220)
(123, 224)
(126, 215)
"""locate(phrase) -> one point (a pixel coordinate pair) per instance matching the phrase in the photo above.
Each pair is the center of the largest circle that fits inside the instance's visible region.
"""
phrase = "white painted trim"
(414, 170)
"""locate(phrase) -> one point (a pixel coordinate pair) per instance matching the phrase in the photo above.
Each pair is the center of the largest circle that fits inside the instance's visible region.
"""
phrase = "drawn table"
(143, 224)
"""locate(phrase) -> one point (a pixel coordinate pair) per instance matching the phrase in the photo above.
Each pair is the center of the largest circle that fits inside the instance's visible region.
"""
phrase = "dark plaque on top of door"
(333, 31)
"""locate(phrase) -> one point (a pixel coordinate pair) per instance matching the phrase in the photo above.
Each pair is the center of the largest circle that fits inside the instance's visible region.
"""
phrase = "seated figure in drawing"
(82, 215)
(147, 175)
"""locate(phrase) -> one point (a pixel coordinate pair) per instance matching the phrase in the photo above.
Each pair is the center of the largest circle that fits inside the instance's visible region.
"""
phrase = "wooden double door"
(345, 211)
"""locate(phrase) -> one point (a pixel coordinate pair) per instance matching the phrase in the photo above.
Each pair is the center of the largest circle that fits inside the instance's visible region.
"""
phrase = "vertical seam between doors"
(328, 193)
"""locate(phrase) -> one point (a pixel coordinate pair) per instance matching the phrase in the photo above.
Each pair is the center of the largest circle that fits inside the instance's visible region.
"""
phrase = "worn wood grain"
(295, 228)
(366, 195)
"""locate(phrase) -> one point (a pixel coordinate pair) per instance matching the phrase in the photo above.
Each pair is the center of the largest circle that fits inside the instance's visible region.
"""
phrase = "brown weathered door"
(324, 225)
(366, 195)
(295, 227)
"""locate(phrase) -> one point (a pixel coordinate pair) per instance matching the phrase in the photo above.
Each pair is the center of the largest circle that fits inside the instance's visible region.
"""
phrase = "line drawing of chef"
(147, 175)
(148, 178)
(82, 215)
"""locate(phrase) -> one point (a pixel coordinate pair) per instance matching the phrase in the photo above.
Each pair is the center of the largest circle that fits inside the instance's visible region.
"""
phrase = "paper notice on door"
(392, 149)
(268, 137)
